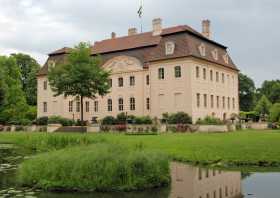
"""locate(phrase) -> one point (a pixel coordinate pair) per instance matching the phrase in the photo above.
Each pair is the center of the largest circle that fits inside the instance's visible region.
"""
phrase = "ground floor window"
(45, 107)
(132, 104)
(95, 106)
(70, 106)
(148, 103)
(78, 106)
(110, 105)
(120, 104)
(87, 106)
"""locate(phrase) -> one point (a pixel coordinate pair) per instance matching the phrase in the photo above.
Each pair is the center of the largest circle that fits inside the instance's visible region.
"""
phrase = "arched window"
(120, 104)
(110, 105)
(132, 104)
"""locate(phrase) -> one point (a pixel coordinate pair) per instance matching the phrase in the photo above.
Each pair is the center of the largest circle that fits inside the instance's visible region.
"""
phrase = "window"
(120, 104)
(147, 80)
(211, 75)
(110, 105)
(199, 173)
(207, 173)
(120, 82)
(78, 104)
(45, 85)
(212, 101)
(223, 78)
(45, 107)
(177, 71)
(214, 194)
(217, 76)
(218, 101)
(228, 101)
(204, 73)
(226, 191)
(198, 100)
(148, 103)
(233, 103)
(132, 104)
(224, 102)
(202, 49)
(220, 193)
(215, 54)
(131, 80)
(197, 72)
(87, 106)
(161, 73)
(169, 47)
(95, 106)
(205, 100)
(207, 195)
(70, 106)
(110, 82)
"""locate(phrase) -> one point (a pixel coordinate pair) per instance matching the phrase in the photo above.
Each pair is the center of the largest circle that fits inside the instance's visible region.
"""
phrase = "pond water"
(187, 182)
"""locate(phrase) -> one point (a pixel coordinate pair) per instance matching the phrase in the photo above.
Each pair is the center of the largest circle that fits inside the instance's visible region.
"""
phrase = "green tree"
(81, 76)
(14, 106)
(263, 106)
(246, 93)
(275, 113)
(271, 89)
(28, 68)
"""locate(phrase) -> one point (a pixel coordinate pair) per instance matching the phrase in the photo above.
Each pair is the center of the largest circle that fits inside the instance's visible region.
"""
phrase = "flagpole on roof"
(140, 13)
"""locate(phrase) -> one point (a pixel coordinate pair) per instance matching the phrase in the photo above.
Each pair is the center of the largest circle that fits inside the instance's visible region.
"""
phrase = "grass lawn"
(260, 148)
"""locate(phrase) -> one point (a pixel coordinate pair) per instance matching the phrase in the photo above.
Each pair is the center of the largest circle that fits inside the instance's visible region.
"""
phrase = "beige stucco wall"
(168, 95)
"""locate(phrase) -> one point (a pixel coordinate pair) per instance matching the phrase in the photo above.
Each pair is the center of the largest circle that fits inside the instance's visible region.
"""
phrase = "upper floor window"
(224, 102)
(212, 101)
(45, 85)
(110, 82)
(110, 105)
(120, 104)
(211, 75)
(197, 72)
(147, 79)
(161, 73)
(169, 48)
(177, 71)
(120, 81)
(226, 58)
(217, 77)
(87, 106)
(131, 80)
(233, 103)
(70, 106)
(132, 104)
(204, 73)
(95, 106)
(223, 78)
(228, 102)
(198, 100)
(215, 54)
(45, 107)
(218, 101)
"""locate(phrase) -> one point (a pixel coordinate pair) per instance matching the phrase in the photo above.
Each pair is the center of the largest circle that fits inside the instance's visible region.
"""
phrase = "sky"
(250, 28)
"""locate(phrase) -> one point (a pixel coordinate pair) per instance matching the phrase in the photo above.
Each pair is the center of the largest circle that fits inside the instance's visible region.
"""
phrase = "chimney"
(132, 31)
(113, 35)
(206, 28)
(157, 26)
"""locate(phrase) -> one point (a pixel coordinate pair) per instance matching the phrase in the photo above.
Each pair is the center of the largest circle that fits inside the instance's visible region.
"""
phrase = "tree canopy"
(263, 106)
(271, 89)
(82, 75)
(28, 68)
(246, 93)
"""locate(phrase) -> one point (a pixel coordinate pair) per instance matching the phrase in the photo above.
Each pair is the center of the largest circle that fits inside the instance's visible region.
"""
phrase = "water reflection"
(193, 182)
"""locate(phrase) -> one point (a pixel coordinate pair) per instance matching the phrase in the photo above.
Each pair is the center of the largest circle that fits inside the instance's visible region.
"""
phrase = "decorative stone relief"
(123, 64)
(225, 57)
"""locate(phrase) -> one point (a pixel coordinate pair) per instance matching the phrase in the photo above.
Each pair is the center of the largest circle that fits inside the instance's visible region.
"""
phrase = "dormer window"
(215, 54)
(202, 49)
(51, 64)
(226, 58)
(169, 48)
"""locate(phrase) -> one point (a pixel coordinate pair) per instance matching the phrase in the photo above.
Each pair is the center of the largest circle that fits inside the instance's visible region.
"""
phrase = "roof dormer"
(169, 48)
(215, 54)
(202, 49)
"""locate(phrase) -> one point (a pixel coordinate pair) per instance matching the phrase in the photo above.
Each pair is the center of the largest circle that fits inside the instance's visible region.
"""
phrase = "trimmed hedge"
(60, 120)
(209, 120)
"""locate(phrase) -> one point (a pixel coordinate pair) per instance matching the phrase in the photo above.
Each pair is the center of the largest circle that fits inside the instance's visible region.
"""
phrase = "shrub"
(108, 120)
(179, 118)
(120, 127)
(209, 120)
(275, 113)
(121, 118)
(60, 120)
(143, 120)
(31, 114)
(100, 167)
(42, 120)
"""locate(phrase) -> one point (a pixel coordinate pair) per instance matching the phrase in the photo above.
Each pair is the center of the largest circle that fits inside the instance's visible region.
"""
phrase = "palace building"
(165, 70)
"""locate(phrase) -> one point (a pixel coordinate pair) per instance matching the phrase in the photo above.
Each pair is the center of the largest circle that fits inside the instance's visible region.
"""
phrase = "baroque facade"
(165, 70)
